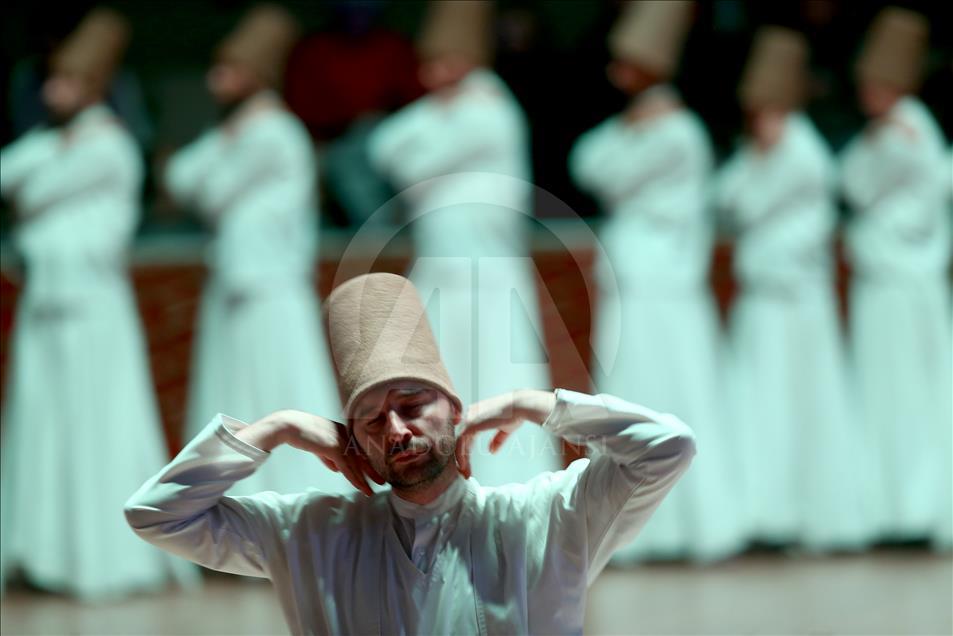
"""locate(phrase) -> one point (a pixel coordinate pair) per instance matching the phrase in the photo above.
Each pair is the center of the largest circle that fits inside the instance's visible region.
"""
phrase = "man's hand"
(503, 413)
(329, 441)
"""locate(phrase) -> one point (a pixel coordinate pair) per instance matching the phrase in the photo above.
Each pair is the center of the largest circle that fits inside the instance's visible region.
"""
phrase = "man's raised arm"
(183, 509)
(638, 455)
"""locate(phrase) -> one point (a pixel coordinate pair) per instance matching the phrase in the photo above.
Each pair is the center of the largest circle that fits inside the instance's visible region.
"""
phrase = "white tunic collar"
(659, 92)
(264, 102)
(92, 114)
(447, 500)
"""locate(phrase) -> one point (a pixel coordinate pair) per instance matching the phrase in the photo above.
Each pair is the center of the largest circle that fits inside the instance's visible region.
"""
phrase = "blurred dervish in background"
(81, 423)
(461, 156)
(260, 342)
(896, 177)
(649, 167)
(788, 366)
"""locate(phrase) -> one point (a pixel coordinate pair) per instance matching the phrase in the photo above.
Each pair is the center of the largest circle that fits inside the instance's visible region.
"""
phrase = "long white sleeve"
(107, 163)
(780, 201)
(614, 159)
(796, 223)
(639, 456)
(394, 137)
(430, 141)
(650, 168)
(477, 127)
(898, 205)
(797, 237)
(77, 198)
(183, 509)
(21, 158)
(188, 168)
(79, 195)
(262, 156)
(895, 177)
(455, 142)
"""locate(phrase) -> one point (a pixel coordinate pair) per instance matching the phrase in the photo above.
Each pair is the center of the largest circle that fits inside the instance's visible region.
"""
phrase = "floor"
(888, 592)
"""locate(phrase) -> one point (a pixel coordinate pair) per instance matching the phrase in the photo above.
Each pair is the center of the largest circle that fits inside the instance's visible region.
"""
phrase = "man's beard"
(419, 475)
(423, 472)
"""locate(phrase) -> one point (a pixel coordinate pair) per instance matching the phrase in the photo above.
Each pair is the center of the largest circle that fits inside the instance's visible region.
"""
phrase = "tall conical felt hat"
(651, 33)
(458, 27)
(95, 48)
(776, 73)
(895, 49)
(379, 333)
(262, 42)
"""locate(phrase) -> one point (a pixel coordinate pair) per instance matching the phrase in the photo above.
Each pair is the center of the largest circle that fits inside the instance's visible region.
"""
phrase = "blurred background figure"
(341, 82)
(788, 364)
(896, 177)
(124, 95)
(462, 155)
(260, 344)
(649, 167)
(81, 426)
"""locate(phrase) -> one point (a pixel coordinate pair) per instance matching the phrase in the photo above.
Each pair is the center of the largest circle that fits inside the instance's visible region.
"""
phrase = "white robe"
(260, 343)
(897, 179)
(463, 162)
(943, 537)
(514, 559)
(651, 178)
(788, 364)
(80, 423)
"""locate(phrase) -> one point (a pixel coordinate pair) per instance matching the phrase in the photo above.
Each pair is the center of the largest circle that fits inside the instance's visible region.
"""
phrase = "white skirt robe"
(901, 359)
(81, 427)
(668, 354)
(790, 390)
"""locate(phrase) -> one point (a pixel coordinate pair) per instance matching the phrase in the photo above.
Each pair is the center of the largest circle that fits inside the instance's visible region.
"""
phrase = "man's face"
(406, 430)
(444, 71)
(766, 126)
(877, 99)
(229, 82)
(65, 94)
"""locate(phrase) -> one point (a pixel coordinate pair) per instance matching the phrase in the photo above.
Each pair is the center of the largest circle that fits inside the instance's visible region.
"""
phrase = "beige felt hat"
(458, 27)
(95, 48)
(895, 49)
(776, 73)
(379, 333)
(651, 33)
(262, 42)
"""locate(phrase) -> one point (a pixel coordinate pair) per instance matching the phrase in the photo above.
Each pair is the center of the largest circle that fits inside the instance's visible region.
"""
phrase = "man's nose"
(397, 430)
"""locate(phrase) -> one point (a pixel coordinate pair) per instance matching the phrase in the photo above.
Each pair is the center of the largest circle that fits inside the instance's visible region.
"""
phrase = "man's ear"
(457, 414)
